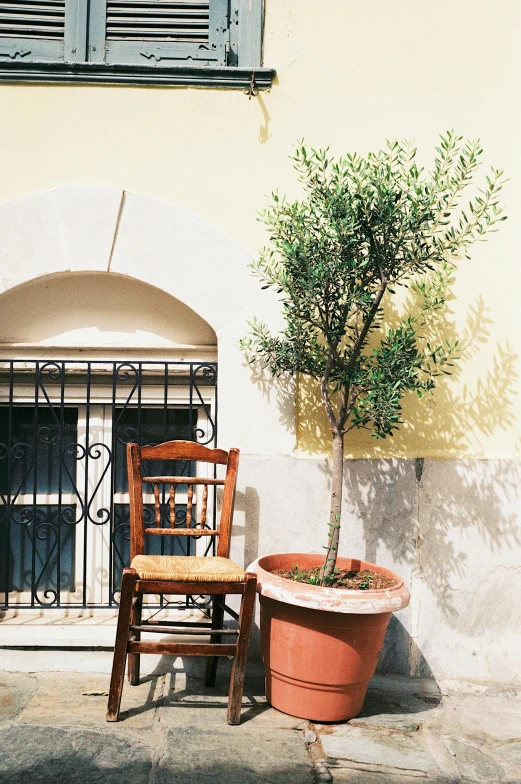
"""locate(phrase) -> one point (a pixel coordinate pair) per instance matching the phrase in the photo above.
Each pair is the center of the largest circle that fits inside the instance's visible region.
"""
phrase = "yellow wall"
(350, 74)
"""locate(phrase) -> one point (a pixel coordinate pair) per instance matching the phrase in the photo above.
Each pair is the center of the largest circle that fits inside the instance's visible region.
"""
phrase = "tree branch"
(367, 325)
(324, 386)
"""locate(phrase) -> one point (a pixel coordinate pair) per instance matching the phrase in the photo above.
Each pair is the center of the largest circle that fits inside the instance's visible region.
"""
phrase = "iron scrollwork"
(57, 489)
(205, 375)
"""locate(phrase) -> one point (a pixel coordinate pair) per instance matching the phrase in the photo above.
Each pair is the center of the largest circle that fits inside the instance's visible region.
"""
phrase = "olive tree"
(364, 226)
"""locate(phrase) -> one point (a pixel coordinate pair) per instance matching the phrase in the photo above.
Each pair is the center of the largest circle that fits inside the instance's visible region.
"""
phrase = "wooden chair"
(182, 574)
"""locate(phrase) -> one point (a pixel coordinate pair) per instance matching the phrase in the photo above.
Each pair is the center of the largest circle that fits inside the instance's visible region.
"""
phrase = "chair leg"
(217, 623)
(133, 658)
(239, 663)
(120, 648)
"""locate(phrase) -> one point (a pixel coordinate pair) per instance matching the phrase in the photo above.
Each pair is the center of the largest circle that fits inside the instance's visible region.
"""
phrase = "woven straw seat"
(188, 568)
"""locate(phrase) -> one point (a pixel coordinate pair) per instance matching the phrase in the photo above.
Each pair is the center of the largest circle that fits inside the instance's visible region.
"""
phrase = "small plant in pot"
(365, 226)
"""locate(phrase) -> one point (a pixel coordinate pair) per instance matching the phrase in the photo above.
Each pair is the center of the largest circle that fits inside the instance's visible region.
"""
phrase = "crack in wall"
(116, 230)
(415, 655)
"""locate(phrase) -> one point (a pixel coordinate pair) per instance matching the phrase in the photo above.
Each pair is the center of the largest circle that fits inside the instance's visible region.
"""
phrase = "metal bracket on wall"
(251, 91)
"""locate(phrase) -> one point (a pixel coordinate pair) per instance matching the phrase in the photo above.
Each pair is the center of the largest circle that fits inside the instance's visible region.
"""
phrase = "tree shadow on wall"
(452, 420)
(425, 514)
(428, 522)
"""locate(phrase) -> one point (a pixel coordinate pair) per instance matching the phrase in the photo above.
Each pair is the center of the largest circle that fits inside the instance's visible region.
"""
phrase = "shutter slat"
(55, 7)
(29, 19)
(155, 20)
(158, 35)
(36, 17)
(128, 6)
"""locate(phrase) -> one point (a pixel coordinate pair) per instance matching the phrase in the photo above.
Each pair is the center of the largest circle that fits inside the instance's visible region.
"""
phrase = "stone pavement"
(413, 732)
(173, 729)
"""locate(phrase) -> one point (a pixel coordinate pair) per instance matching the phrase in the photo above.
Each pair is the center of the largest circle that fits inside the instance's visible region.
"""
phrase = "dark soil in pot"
(348, 579)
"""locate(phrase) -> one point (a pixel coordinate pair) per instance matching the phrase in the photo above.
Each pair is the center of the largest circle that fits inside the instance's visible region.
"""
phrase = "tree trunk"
(336, 506)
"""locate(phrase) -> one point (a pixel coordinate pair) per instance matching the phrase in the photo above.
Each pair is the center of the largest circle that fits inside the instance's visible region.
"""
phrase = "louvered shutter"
(32, 30)
(165, 33)
(201, 42)
(52, 31)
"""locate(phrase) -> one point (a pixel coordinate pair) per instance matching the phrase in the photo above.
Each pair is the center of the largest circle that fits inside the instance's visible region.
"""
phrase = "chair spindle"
(189, 506)
(157, 505)
(172, 505)
(202, 518)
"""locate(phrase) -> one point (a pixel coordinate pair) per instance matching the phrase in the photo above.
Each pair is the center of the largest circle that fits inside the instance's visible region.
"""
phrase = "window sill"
(173, 76)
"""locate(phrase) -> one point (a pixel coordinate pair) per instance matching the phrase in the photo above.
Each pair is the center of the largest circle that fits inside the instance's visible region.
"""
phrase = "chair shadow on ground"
(183, 688)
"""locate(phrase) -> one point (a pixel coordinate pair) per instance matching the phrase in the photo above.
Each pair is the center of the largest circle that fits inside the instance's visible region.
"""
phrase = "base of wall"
(450, 528)
(452, 531)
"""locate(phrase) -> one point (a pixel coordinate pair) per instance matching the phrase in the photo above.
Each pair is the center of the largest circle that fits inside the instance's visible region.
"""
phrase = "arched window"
(89, 362)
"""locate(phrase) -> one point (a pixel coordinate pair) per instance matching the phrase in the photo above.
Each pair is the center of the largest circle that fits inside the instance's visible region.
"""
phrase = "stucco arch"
(101, 313)
(107, 230)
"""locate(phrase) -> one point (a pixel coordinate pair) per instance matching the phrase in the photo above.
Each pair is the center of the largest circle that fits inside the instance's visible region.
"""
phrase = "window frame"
(85, 51)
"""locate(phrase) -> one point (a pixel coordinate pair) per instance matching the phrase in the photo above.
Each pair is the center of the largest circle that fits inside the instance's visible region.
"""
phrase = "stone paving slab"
(498, 716)
(473, 763)
(243, 757)
(15, 691)
(471, 734)
(349, 776)
(394, 712)
(81, 701)
(172, 728)
(43, 755)
(510, 751)
(187, 700)
(377, 747)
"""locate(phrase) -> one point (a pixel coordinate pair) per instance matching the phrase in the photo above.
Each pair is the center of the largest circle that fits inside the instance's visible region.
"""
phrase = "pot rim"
(329, 599)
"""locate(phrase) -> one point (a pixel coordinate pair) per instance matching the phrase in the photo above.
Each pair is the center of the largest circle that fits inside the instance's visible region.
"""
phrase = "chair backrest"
(189, 451)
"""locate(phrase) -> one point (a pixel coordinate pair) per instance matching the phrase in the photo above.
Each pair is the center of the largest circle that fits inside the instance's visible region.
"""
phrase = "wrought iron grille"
(64, 425)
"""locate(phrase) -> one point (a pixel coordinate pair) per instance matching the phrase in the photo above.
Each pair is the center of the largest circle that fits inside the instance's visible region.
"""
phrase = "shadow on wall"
(279, 391)
(441, 499)
(447, 423)
(249, 503)
(448, 524)
(450, 422)
(400, 654)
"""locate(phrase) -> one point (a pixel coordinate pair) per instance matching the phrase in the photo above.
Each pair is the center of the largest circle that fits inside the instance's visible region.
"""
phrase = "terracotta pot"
(320, 646)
